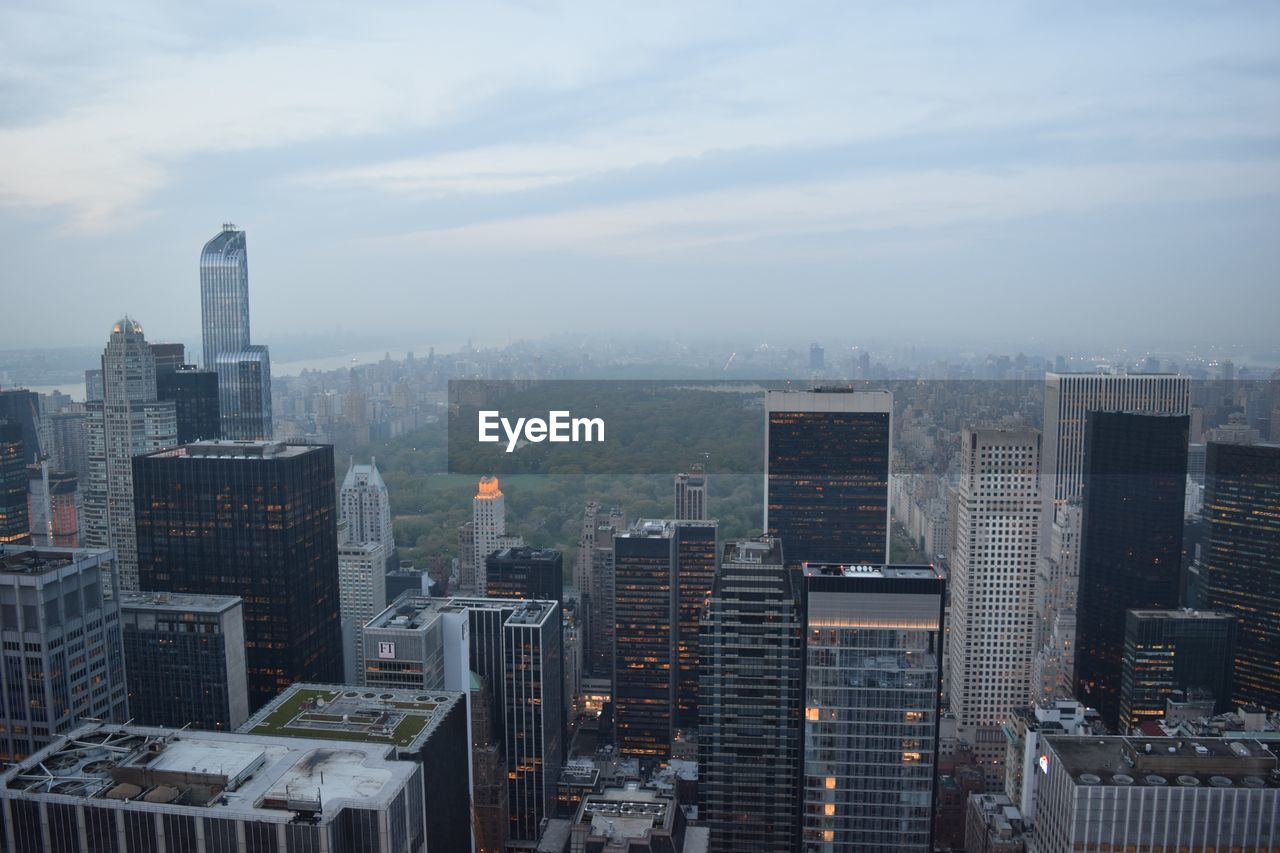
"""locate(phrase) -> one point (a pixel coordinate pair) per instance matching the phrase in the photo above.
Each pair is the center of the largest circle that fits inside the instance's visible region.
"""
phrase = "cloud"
(875, 203)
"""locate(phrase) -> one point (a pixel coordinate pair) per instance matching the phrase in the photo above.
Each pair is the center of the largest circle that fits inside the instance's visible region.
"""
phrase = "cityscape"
(774, 554)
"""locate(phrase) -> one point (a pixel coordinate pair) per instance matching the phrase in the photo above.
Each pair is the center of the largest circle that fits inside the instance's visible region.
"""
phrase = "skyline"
(525, 170)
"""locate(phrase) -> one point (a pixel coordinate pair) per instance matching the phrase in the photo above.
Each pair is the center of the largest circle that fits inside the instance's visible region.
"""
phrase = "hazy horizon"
(824, 172)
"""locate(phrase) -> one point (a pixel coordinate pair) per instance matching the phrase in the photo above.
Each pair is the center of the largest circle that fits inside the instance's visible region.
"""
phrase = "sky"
(840, 171)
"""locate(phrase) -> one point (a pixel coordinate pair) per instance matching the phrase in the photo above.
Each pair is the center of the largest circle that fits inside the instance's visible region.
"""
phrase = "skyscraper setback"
(244, 369)
(826, 489)
(1130, 540)
(365, 506)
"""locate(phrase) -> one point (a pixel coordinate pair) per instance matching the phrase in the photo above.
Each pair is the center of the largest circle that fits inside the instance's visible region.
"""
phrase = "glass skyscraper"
(872, 674)
(1130, 540)
(244, 370)
(1242, 560)
(826, 489)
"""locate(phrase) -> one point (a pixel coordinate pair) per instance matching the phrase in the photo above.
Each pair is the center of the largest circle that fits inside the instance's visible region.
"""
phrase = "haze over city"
(1089, 173)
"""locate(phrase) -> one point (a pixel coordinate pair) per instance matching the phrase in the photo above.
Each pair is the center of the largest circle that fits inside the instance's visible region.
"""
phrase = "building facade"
(194, 394)
(691, 494)
(185, 659)
(1130, 540)
(362, 581)
(826, 490)
(991, 646)
(872, 676)
(365, 505)
(750, 703)
(489, 524)
(63, 654)
(15, 522)
(525, 572)
(1242, 561)
(255, 520)
(128, 421)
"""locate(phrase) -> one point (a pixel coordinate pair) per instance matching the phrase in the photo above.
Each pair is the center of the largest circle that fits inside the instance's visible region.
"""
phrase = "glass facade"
(750, 703)
(224, 294)
(258, 521)
(697, 546)
(1130, 540)
(14, 522)
(827, 475)
(644, 622)
(531, 573)
(1242, 560)
(872, 675)
(1168, 650)
(195, 398)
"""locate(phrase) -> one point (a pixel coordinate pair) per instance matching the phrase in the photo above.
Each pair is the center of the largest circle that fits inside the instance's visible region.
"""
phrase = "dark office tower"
(15, 523)
(750, 703)
(525, 573)
(817, 357)
(593, 576)
(697, 553)
(826, 485)
(184, 656)
(244, 370)
(169, 357)
(70, 443)
(22, 407)
(691, 494)
(872, 672)
(1242, 561)
(1135, 473)
(1168, 650)
(194, 394)
(257, 520)
(644, 627)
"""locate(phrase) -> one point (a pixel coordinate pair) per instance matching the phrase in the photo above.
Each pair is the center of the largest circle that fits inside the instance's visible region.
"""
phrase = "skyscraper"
(70, 664)
(22, 407)
(691, 494)
(362, 582)
(185, 659)
(195, 399)
(525, 572)
(53, 502)
(257, 520)
(697, 555)
(15, 523)
(872, 673)
(1069, 397)
(1242, 561)
(644, 620)
(750, 702)
(128, 421)
(1168, 650)
(244, 370)
(70, 443)
(1130, 540)
(826, 489)
(593, 576)
(993, 574)
(489, 519)
(365, 505)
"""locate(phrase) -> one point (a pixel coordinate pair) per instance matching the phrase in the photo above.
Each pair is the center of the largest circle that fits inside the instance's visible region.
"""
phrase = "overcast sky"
(961, 171)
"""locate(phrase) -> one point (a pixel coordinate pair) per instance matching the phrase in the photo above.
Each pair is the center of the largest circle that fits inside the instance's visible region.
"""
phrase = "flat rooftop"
(255, 777)
(862, 570)
(227, 449)
(1167, 762)
(629, 812)
(1182, 614)
(414, 612)
(35, 560)
(403, 718)
(188, 602)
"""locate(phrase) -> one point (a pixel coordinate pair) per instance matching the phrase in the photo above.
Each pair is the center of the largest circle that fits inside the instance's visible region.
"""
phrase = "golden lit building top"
(488, 489)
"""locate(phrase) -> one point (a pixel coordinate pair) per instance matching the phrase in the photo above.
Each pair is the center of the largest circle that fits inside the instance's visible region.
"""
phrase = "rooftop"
(415, 612)
(852, 570)
(267, 779)
(185, 601)
(337, 712)
(1160, 762)
(1183, 613)
(37, 560)
(227, 449)
(763, 551)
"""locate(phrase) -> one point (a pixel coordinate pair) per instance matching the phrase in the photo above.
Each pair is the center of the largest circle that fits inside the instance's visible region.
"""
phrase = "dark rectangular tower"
(1168, 650)
(1130, 540)
(525, 572)
(195, 398)
(826, 487)
(1242, 560)
(255, 519)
